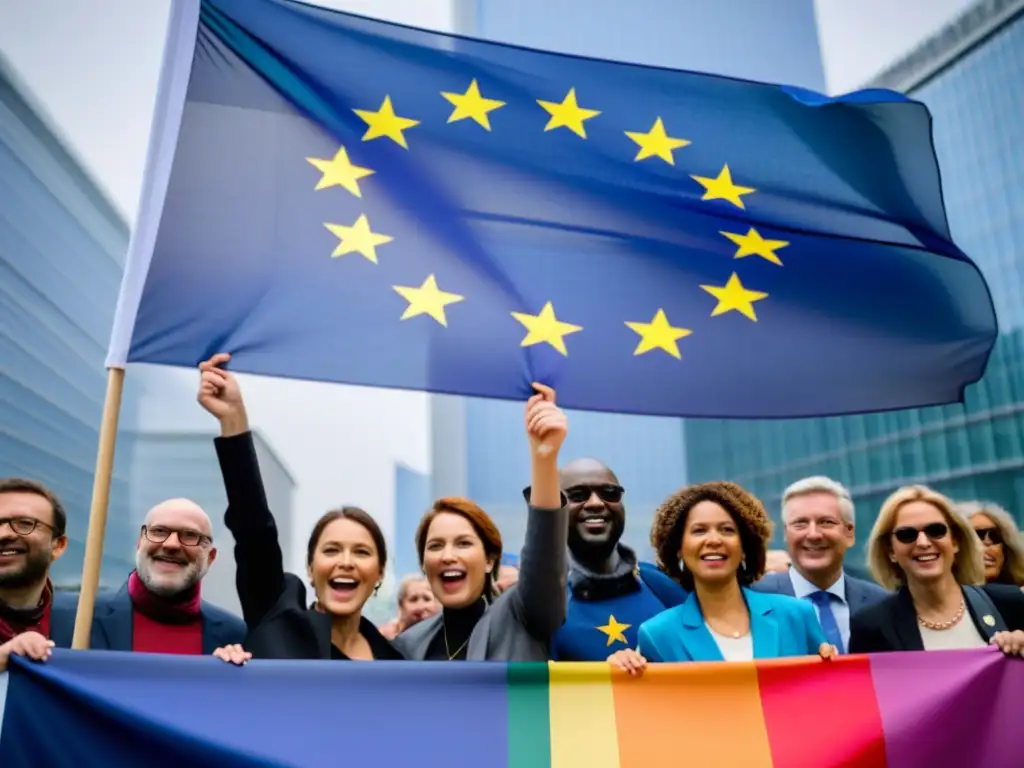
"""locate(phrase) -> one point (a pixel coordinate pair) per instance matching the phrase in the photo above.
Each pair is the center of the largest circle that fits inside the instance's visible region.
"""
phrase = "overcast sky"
(94, 64)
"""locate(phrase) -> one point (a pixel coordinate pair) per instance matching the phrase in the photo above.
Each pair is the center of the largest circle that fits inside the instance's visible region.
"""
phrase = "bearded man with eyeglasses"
(611, 593)
(159, 609)
(32, 538)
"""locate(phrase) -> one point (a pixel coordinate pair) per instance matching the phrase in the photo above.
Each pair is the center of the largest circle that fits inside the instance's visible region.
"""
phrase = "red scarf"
(181, 609)
(14, 621)
(165, 625)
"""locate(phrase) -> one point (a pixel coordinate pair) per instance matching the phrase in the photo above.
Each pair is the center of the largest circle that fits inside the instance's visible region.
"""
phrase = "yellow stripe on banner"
(583, 731)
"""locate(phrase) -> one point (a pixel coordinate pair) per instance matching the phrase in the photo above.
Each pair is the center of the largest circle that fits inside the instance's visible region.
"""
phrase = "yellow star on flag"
(615, 631)
(545, 327)
(722, 188)
(428, 299)
(753, 244)
(358, 238)
(339, 172)
(733, 296)
(656, 143)
(384, 122)
(659, 334)
(568, 114)
(473, 105)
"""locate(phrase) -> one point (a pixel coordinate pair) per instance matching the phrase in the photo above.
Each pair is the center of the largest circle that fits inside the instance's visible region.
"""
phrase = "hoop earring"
(376, 588)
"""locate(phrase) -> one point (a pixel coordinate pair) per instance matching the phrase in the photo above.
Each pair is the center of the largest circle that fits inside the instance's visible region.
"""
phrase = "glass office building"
(62, 248)
(970, 75)
(478, 446)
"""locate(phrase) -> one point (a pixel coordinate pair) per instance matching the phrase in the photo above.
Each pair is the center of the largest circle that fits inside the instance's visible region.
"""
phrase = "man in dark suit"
(159, 608)
(818, 521)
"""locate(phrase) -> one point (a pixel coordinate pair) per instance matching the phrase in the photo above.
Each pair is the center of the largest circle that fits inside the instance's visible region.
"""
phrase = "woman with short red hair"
(459, 548)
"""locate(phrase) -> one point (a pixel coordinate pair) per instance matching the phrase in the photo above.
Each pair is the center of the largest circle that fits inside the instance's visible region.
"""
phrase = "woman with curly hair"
(712, 538)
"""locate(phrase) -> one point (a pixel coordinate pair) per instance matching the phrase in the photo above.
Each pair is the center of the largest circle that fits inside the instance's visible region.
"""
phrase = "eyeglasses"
(24, 526)
(908, 534)
(580, 494)
(158, 534)
(990, 536)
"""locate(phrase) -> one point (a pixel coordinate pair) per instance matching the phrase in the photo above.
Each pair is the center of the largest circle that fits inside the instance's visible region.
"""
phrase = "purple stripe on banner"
(950, 708)
(109, 708)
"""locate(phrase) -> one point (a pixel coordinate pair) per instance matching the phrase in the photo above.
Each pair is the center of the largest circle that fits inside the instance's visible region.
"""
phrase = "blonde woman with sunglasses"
(922, 547)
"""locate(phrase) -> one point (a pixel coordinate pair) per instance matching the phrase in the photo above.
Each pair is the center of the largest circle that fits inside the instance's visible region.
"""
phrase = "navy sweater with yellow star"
(606, 610)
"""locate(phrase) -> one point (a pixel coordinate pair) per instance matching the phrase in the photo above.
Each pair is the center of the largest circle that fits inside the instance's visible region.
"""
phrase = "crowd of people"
(944, 575)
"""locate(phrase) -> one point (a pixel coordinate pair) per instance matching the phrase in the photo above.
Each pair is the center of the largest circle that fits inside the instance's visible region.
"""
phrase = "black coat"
(280, 624)
(891, 624)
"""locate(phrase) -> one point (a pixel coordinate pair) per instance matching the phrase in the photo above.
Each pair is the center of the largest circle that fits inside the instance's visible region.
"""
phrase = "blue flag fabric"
(360, 202)
(125, 710)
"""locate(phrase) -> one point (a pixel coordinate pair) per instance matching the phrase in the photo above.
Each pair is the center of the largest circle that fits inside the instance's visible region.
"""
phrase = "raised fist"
(219, 392)
(546, 424)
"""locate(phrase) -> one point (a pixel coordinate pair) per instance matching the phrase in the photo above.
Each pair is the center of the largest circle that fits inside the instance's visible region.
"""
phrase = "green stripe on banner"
(529, 717)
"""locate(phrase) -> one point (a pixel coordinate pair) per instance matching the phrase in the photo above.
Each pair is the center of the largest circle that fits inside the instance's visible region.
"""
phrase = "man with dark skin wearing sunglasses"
(610, 593)
(159, 609)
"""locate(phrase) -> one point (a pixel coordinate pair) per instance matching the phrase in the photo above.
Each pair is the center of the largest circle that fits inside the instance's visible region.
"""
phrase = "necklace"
(734, 635)
(941, 625)
(447, 650)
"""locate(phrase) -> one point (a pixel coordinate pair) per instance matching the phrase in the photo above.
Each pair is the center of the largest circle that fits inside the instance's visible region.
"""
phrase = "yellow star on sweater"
(615, 631)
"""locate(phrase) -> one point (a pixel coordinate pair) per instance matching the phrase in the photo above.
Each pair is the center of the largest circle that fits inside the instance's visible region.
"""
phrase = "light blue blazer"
(780, 625)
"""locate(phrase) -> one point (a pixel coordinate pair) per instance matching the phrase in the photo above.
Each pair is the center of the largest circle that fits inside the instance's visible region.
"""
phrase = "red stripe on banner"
(831, 705)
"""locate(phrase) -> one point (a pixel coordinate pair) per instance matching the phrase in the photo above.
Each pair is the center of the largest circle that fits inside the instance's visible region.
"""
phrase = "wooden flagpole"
(98, 508)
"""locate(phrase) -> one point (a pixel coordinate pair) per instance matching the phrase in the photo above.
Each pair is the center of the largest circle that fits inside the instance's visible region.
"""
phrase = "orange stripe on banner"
(706, 714)
(582, 715)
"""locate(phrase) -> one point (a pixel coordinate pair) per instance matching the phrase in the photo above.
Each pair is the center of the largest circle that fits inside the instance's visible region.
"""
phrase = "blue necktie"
(829, 625)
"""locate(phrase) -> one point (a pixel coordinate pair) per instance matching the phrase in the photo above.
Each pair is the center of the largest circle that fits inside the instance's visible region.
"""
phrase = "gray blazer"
(518, 625)
(859, 593)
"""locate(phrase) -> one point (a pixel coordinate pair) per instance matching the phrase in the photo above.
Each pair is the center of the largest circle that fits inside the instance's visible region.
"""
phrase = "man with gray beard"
(159, 609)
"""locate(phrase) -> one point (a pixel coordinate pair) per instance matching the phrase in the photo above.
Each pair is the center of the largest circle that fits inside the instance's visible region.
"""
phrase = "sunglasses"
(990, 536)
(908, 534)
(580, 494)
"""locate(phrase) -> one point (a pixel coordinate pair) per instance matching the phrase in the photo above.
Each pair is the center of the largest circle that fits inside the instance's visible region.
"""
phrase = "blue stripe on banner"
(122, 709)
(3, 702)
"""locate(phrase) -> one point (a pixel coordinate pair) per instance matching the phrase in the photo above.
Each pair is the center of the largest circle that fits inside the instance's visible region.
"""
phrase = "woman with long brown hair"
(345, 556)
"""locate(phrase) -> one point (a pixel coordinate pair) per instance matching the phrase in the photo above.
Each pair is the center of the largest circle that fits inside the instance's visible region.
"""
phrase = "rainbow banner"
(958, 708)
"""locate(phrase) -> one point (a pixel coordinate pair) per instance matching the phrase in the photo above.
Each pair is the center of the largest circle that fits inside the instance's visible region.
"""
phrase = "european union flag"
(334, 198)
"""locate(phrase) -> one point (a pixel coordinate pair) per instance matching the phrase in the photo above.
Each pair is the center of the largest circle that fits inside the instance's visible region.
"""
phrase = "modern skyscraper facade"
(412, 497)
(478, 446)
(969, 75)
(62, 250)
(62, 247)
